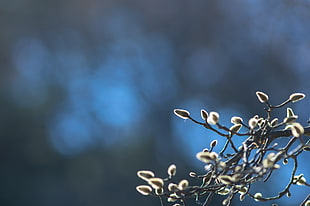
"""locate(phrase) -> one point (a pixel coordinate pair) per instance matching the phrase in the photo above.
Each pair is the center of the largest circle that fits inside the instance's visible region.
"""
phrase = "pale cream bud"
(289, 112)
(156, 183)
(262, 97)
(290, 119)
(225, 179)
(297, 97)
(184, 114)
(253, 122)
(159, 191)
(145, 174)
(192, 174)
(296, 129)
(172, 170)
(213, 118)
(183, 184)
(235, 128)
(204, 114)
(206, 157)
(213, 143)
(241, 197)
(224, 191)
(257, 196)
(172, 187)
(274, 122)
(144, 189)
(236, 120)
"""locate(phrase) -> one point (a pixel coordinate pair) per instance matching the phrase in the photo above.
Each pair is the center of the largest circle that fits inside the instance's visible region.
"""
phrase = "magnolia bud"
(213, 143)
(172, 187)
(172, 170)
(296, 129)
(236, 120)
(204, 114)
(184, 114)
(144, 189)
(183, 184)
(213, 118)
(257, 196)
(289, 112)
(297, 97)
(262, 97)
(235, 128)
(253, 122)
(156, 183)
(274, 122)
(145, 174)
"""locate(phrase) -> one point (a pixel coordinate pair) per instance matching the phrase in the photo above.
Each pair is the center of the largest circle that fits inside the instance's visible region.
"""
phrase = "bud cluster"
(254, 160)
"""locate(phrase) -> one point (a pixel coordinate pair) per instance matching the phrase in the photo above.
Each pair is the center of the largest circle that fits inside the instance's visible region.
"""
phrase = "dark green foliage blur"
(88, 88)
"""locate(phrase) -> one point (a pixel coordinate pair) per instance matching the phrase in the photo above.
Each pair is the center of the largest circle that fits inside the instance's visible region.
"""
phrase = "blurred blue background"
(88, 89)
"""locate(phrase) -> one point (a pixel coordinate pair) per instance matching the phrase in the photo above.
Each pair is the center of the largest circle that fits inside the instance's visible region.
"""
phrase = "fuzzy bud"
(156, 183)
(183, 184)
(236, 120)
(207, 157)
(145, 174)
(262, 97)
(172, 170)
(192, 174)
(213, 143)
(173, 187)
(253, 122)
(204, 114)
(296, 129)
(144, 189)
(235, 128)
(257, 196)
(289, 112)
(274, 122)
(184, 114)
(297, 97)
(213, 118)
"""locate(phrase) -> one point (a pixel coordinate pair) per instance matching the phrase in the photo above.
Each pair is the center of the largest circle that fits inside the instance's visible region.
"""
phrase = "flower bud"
(183, 184)
(285, 161)
(257, 196)
(213, 118)
(224, 191)
(144, 189)
(204, 114)
(289, 112)
(274, 122)
(207, 157)
(262, 97)
(235, 128)
(296, 129)
(290, 119)
(172, 170)
(253, 122)
(159, 191)
(241, 197)
(192, 174)
(156, 183)
(297, 97)
(145, 174)
(236, 120)
(184, 114)
(213, 143)
(172, 187)
(226, 179)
